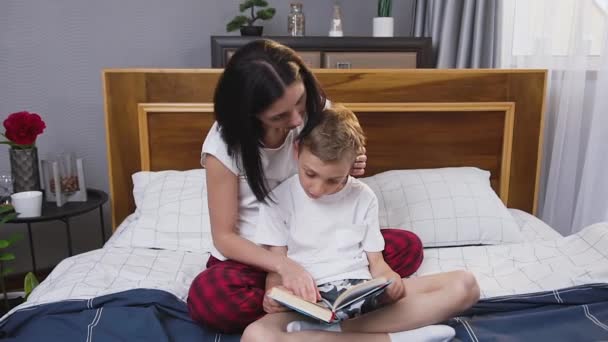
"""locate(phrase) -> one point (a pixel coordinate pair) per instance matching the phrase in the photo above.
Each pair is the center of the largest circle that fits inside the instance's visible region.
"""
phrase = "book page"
(314, 310)
(359, 291)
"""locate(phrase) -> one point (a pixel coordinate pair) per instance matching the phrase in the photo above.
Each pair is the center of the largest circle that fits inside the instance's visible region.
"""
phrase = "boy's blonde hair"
(337, 135)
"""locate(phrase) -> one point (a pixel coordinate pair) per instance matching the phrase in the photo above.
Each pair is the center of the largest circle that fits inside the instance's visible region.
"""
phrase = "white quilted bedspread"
(529, 267)
(545, 264)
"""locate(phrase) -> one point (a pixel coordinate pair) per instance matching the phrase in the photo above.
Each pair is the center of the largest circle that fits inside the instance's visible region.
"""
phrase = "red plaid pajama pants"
(227, 296)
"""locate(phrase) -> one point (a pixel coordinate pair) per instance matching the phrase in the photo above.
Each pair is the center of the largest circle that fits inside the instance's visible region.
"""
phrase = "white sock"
(431, 333)
(303, 325)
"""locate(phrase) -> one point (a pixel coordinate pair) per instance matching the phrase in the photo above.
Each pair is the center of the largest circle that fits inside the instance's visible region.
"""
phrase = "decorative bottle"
(335, 28)
(296, 23)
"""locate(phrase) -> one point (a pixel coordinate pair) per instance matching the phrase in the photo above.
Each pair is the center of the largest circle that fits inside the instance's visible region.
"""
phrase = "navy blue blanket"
(572, 314)
(135, 315)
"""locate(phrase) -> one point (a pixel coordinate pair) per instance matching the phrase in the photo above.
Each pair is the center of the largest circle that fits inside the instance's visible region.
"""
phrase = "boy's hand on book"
(298, 280)
(396, 290)
(272, 306)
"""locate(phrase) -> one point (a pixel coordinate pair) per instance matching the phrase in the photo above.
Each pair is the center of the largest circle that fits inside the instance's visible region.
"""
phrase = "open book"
(326, 310)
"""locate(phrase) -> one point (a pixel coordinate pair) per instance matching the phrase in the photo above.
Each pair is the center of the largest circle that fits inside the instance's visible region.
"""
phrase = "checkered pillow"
(171, 212)
(444, 207)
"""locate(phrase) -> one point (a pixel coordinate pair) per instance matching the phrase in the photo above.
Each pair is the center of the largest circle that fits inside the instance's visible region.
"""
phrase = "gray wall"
(52, 53)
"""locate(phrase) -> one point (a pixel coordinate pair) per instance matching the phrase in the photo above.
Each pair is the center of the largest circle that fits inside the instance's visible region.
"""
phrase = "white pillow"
(171, 212)
(444, 207)
(532, 228)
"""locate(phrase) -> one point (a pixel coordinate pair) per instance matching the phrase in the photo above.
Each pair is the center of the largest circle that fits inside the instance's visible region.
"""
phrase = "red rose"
(23, 128)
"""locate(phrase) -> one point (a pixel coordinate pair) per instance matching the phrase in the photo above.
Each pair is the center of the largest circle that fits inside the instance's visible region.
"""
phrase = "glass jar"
(67, 174)
(296, 23)
(6, 189)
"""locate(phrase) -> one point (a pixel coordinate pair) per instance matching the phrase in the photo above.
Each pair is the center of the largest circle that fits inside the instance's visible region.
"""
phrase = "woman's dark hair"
(254, 78)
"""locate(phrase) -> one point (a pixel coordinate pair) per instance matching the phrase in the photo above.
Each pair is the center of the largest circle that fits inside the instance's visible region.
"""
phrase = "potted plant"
(383, 23)
(245, 23)
(7, 213)
(12, 299)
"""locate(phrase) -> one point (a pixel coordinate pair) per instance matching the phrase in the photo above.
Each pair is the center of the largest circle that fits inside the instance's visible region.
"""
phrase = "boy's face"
(319, 178)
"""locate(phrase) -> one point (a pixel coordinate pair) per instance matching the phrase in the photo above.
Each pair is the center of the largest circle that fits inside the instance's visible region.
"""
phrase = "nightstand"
(50, 212)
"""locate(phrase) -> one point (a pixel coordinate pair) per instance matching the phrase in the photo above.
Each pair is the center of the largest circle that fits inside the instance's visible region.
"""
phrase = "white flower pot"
(383, 27)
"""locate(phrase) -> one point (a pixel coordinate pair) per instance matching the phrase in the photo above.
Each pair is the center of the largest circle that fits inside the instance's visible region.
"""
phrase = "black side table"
(50, 212)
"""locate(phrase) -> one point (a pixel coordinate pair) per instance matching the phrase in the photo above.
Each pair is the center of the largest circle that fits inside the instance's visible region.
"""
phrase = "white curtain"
(569, 38)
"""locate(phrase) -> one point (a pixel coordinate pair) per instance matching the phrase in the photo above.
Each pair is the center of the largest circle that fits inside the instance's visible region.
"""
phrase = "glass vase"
(296, 23)
(335, 26)
(24, 169)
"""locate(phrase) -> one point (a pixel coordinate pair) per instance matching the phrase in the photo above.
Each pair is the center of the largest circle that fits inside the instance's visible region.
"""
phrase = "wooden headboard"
(424, 118)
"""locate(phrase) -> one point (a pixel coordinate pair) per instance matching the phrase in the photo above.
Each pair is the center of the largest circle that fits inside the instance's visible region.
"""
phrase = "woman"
(264, 100)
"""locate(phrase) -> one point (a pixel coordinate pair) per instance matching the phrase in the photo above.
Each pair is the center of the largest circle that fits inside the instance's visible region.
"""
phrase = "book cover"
(358, 299)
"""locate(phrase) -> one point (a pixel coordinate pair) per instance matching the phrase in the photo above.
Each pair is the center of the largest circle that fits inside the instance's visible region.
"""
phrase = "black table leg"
(29, 233)
(103, 229)
(67, 228)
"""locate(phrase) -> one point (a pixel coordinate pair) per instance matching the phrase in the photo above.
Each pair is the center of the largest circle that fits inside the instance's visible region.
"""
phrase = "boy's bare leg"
(429, 300)
(271, 328)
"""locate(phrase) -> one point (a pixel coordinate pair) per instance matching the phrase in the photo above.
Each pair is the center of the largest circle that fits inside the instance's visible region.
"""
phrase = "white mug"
(27, 203)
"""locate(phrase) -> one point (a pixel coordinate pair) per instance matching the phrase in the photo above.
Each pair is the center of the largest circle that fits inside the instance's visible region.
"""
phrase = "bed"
(453, 155)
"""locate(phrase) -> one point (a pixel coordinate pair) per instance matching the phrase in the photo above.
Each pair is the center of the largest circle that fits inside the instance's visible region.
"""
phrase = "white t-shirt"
(278, 163)
(327, 236)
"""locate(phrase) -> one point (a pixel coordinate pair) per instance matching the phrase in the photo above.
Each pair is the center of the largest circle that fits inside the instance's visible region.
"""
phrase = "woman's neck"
(275, 137)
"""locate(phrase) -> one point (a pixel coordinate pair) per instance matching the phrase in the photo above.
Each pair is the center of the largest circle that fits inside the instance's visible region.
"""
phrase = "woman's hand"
(396, 290)
(358, 168)
(298, 280)
(270, 305)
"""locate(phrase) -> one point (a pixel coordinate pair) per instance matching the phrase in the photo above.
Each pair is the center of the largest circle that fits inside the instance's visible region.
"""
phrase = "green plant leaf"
(6, 271)
(384, 8)
(236, 23)
(8, 217)
(7, 256)
(260, 3)
(5, 208)
(29, 283)
(15, 145)
(7, 213)
(4, 244)
(266, 13)
(246, 5)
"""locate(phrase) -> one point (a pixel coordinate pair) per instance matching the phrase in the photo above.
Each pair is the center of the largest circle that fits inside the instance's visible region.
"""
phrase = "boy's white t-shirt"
(327, 236)
(278, 164)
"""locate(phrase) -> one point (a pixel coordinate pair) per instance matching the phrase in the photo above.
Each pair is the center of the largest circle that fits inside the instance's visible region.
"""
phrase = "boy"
(324, 219)
(327, 221)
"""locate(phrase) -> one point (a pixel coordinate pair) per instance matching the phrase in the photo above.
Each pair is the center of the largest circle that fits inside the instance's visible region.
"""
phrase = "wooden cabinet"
(311, 58)
(339, 53)
(372, 60)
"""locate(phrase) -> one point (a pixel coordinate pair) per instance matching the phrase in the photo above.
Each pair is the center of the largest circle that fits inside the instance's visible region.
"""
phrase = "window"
(554, 28)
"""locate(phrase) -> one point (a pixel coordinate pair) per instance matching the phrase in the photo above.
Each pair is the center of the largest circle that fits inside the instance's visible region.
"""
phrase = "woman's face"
(288, 111)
